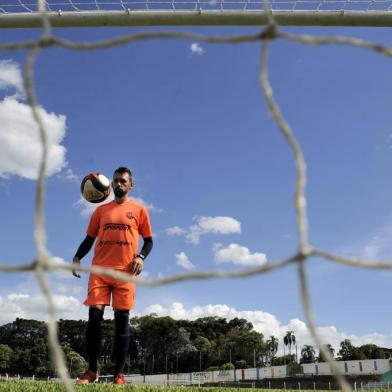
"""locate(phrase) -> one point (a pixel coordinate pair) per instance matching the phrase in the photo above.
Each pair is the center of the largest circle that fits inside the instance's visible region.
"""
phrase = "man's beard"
(119, 192)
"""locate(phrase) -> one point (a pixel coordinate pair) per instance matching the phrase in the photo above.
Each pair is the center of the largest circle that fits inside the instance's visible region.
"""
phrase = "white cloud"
(34, 306)
(175, 230)
(11, 76)
(183, 261)
(69, 175)
(205, 225)
(219, 224)
(377, 245)
(20, 146)
(196, 48)
(237, 254)
(268, 324)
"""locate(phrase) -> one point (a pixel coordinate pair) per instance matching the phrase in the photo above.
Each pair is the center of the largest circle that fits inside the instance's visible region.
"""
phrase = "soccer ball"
(95, 187)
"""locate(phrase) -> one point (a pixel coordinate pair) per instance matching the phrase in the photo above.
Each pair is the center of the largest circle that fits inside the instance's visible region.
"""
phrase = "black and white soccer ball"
(95, 187)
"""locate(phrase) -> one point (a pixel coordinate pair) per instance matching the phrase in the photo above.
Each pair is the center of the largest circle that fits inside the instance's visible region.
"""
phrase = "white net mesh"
(75, 13)
(43, 261)
(14, 6)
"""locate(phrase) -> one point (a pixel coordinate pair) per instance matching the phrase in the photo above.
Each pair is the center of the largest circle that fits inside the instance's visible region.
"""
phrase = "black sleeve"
(85, 247)
(147, 246)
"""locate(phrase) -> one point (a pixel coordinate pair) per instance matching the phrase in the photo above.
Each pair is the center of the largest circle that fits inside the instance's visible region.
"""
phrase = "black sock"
(121, 340)
(93, 337)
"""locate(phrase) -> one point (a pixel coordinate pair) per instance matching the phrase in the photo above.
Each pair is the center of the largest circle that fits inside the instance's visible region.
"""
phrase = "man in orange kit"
(117, 226)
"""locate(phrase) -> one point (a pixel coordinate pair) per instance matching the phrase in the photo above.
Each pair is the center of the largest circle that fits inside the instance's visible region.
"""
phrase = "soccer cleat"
(88, 377)
(119, 379)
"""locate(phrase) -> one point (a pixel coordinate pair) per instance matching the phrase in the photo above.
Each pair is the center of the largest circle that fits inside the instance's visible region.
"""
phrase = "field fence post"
(299, 386)
(314, 385)
(355, 386)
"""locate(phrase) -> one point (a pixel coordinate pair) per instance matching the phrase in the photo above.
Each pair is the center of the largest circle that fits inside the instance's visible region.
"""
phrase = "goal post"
(202, 13)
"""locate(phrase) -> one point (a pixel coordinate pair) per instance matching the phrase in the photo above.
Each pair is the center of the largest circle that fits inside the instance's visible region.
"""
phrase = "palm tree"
(330, 349)
(272, 344)
(307, 354)
(289, 340)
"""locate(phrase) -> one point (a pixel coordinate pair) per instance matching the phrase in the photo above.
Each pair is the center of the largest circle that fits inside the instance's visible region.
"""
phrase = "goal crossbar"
(198, 17)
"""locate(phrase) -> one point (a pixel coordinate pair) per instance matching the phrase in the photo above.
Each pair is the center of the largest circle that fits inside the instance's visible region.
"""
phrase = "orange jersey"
(117, 228)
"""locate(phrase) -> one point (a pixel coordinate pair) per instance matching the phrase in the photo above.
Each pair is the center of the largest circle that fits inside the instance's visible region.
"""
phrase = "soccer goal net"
(50, 13)
(74, 13)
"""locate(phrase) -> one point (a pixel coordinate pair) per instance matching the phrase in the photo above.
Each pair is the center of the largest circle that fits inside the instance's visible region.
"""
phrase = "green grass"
(41, 386)
(38, 386)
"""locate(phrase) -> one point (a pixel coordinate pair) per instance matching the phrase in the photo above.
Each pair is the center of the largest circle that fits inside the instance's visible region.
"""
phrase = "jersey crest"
(130, 215)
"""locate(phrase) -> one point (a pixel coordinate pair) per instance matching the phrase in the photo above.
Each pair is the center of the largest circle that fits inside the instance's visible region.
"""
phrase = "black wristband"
(141, 256)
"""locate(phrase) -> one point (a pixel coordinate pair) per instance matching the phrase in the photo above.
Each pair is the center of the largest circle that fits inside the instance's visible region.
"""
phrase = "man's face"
(121, 184)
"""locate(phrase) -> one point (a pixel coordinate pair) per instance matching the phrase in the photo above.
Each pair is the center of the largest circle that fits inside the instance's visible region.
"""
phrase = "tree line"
(162, 345)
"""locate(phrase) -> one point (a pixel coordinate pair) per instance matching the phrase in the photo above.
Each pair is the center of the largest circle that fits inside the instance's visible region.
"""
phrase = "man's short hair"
(123, 170)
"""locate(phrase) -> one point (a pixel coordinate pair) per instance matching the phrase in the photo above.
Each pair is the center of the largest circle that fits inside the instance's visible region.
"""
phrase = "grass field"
(38, 386)
(41, 386)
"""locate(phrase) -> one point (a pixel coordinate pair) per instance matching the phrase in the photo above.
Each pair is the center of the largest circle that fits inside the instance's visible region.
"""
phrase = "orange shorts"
(101, 287)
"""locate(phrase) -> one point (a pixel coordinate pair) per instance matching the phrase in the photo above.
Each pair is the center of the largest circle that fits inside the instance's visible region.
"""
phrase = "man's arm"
(146, 249)
(138, 261)
(83, 249)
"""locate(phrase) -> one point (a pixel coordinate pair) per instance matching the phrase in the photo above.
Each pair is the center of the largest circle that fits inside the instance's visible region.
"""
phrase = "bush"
(227, 366)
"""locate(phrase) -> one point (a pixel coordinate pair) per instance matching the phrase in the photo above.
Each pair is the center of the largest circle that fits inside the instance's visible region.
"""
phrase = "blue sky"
(191, 122)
